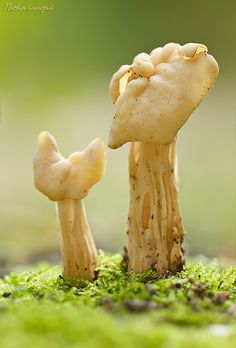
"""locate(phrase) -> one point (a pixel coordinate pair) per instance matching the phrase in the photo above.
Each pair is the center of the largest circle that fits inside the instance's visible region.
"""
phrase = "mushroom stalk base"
(155, 227)
(76, 241)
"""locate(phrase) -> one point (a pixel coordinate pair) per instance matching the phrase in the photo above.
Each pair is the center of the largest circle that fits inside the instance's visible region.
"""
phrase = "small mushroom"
(153, 98)
(68, 181)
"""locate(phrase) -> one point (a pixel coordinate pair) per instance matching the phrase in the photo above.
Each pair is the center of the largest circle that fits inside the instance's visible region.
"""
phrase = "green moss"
(196, 307)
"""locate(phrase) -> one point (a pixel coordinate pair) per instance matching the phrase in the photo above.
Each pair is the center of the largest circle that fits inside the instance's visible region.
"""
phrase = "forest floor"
(195, 308)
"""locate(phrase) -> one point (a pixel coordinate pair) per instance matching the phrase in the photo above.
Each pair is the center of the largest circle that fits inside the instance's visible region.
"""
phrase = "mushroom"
(153, 98)
(68, 181)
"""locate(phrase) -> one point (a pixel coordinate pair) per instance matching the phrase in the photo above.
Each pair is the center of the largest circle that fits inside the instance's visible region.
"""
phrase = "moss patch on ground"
(197, 307)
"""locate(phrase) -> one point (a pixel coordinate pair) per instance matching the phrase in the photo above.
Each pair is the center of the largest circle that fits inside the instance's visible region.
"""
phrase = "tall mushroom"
(153, 98)
(68, 181)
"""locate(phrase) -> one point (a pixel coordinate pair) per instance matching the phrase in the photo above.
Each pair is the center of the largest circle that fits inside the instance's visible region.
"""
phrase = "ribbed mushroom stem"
(76, 241)
(154, 224)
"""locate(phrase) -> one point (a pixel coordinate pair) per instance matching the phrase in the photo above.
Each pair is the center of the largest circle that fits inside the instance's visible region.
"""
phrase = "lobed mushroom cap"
(59, 178)
(155, 95)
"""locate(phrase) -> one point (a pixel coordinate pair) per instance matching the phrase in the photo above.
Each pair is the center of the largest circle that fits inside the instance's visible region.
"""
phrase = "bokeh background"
(55, 68)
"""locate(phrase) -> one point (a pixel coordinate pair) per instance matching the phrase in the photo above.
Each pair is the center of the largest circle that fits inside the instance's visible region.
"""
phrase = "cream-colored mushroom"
(156, 96)
(68, 181)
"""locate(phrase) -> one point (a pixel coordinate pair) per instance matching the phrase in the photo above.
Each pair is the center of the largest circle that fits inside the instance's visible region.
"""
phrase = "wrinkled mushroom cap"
(60, 178)
(155, 95)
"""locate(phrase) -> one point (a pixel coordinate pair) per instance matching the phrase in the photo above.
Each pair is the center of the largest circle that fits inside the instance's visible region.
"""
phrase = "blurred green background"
(55, 68)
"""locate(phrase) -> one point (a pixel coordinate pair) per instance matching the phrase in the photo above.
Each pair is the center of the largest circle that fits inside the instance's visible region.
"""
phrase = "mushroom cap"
(155, 95)
(59, 178)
